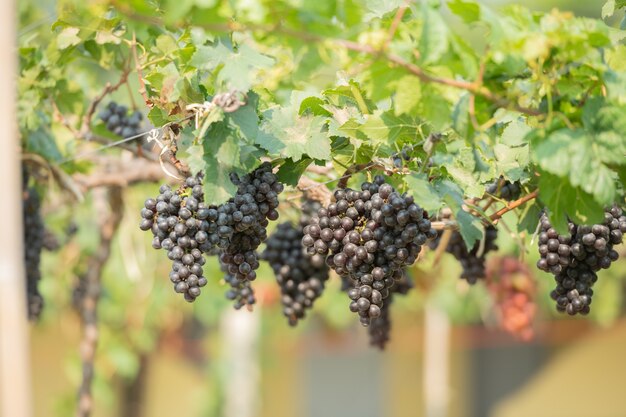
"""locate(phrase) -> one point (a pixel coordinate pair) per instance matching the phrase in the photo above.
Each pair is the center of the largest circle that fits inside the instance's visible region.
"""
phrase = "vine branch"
(89, 301)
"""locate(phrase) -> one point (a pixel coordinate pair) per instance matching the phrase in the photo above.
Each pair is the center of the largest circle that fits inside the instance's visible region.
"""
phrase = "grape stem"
(494, 218)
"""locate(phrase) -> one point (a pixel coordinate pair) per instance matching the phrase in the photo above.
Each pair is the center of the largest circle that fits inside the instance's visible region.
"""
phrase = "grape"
(380, 326)
(240, 291)
(174, 218)
(472, 263)
(301, 278)
(575, 257)
(33, 243)
(505, 189)
(377, 234)
(247, 215)
(119, 122)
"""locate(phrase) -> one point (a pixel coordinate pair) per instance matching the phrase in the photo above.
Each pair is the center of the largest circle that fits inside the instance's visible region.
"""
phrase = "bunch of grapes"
(513, 289)
(505, 189)
(186, 228)
(300, 277)
(368, 236)
(248, 214)
(119, 121)
(240, 291)
(33, 243)
(472, 261)
(575, 257)
(380, 328)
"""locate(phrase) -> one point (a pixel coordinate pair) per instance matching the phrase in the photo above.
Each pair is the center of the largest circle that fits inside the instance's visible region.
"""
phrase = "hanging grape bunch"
(380, 328)
(512, 288)
(120, 122)
(240, 291)
(248, 214)
(575, 257)
(505, 189)
(300, 277)
(186, 228)
(368, 236)
(33, 243)
(472, 261)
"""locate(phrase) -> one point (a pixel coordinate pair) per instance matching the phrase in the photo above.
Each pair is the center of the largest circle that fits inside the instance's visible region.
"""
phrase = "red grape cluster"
(513, 290)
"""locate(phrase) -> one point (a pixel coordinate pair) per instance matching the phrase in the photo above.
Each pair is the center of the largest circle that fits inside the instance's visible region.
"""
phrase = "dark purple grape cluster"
(368, 236)
(184, 226)
(576, 257)
(472, 261)
(505, 189)
(119, 121)
(240, 291)
(187, 228)
(33, 243)
(300, 277)
(380, 328)
(249, 213)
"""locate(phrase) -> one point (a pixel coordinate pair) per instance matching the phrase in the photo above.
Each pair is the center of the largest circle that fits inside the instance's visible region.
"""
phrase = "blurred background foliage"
(159, 356)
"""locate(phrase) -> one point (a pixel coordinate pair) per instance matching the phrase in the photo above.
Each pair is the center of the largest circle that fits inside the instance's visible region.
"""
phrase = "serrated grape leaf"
(573, 154)
(565, 201)
(378, 8)
(313, 105)
(239, 67)
(408, 95)
(467, 171)
(470, 227)
(469, 11)
(387, 128)
(246, 118)
(285, 133)
(290, 172)
(512, 161)
(608, 9)
(433, 43)
(219, 154)
(424, 193)
(158, 116)
(68, 37)
(460, 116)
(514, 134)
(529, 218)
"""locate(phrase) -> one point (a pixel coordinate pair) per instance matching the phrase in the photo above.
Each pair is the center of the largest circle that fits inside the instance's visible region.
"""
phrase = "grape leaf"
(285, 133)
(424, 193)
(565, 201)
(433, 43)
(290, 172)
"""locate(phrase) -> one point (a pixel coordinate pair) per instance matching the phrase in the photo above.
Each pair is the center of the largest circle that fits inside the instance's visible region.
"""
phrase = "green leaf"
(239, 68)
(290, 172)
(246, 118)
(565, 201)
(423, 192)
(433, 43)
(608, 9)
(574, 155)
(470, 227)
(469, 11)
(408, 95)
(285, 133)
(378, 8)
(68, 37)
(514, 133)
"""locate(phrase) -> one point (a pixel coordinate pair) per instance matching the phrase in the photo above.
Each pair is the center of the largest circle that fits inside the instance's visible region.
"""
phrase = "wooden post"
(15, 400)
